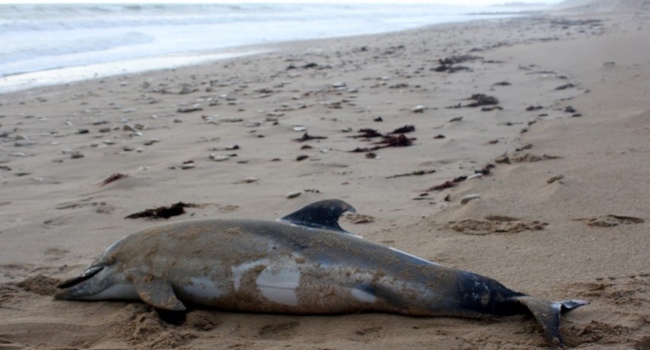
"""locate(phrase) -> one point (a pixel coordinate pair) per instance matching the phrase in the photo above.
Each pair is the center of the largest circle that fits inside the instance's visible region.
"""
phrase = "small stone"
(151, 142)
(76, 155)
(219, 157)
(299, 128)
(418, 109)
(22, 143)
(554, 179)
(128, 127)
(186, 166)
(570, 109)
(108, 142)
(469, 197)
(178, 120)
(251, 179)
(232, 147)
(294, 194)
(301, 157)
(193, 108)
(127, 148)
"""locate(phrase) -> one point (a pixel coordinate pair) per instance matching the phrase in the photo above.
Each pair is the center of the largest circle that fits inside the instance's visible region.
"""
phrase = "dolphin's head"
(103, 279)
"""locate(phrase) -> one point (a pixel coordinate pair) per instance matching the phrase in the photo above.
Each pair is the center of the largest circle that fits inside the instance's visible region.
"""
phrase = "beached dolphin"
(303, 263)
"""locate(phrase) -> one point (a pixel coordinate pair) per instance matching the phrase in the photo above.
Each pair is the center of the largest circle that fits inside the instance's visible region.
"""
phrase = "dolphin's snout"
(72, 286)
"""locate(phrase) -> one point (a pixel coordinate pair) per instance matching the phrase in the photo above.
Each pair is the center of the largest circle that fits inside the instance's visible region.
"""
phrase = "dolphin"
(303, 263)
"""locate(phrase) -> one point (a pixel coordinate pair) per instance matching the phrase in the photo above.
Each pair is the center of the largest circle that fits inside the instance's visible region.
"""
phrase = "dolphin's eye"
(88, 273)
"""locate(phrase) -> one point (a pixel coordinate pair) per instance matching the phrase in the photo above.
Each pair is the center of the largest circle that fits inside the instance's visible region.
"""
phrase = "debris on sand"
(413, 173)
(307, 137)
(367, 133)
(112, 178)
(403, 130)
(482, 100)
(447, 64)
(479, 100)
(449, 184)
(162, 212)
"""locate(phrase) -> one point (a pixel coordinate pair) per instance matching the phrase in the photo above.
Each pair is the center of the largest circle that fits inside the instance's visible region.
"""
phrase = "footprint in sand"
(619, 301)
(496, 224)
(611, 220)
(277, 330)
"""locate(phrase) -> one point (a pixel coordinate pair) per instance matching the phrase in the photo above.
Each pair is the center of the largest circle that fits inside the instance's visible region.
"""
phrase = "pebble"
(128, 127)
(192, 108)
(18, 154)
(301, 157)
(232, 147)
(127, 148)
(21, 143)
(76, 155)
(418, 109)
(187, 166)
(251, 179)
(294, 194)
(219, 157)
(151, 142)
(108, 142)
(299, 128)
(469, 197)
(554, 179)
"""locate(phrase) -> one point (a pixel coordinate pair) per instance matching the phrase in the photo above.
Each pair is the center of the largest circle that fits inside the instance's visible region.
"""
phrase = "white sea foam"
(38, 38)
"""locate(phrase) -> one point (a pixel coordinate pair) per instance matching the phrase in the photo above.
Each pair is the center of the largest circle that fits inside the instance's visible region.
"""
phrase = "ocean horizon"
(56, 44)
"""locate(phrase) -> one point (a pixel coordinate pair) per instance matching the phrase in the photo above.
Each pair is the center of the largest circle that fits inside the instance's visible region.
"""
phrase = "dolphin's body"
(303, 263)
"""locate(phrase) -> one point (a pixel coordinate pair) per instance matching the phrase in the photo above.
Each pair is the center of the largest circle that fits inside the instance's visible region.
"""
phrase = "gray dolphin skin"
(303, 263)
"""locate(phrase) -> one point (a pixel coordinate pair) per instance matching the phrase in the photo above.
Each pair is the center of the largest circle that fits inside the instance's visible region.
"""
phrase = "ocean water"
(52, 44)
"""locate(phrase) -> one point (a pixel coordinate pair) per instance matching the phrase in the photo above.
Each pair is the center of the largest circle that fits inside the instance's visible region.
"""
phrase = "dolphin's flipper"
(157, 292)
(548, 314)
(323, 214)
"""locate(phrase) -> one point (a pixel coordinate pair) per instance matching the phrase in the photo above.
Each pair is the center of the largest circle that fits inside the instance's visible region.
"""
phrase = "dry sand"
(563, 214)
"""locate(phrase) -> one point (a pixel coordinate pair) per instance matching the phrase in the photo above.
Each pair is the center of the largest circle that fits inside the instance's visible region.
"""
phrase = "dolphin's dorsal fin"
(323, 214)
(548, 314)
(157, 292)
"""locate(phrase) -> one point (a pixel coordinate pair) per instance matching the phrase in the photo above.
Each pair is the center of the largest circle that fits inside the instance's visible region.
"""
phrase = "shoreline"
(16, 82)
(560, 214)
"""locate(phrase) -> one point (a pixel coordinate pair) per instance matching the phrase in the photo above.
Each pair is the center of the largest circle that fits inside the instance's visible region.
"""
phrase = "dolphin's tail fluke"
(547, 313)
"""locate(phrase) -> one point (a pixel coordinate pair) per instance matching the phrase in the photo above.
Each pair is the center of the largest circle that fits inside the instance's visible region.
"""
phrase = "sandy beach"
(513, 148)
